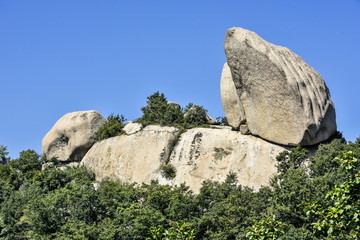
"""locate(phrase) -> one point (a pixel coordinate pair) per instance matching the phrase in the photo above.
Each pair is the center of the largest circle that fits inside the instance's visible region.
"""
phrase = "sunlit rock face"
(278, 96)
(212, 154)
(72, 135)
(197, 155)
(136, 157)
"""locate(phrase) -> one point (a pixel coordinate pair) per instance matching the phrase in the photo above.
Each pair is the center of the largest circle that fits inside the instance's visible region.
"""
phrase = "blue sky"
(63, 56)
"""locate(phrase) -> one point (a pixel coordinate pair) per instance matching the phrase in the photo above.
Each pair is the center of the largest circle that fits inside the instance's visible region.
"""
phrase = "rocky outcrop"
(281, 98)
(132, 158)
(199, 154)
(211, 154)
(72, 135)
(266, 91)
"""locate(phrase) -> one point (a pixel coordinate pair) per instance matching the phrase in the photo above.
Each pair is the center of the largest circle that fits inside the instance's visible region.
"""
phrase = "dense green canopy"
(314, 199)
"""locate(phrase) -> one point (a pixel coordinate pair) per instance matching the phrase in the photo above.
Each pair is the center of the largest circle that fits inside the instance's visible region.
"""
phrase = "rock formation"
(266, 91)
(211, 154)
(72, 135)
(132, 158)
(200, 154)
(279, 97)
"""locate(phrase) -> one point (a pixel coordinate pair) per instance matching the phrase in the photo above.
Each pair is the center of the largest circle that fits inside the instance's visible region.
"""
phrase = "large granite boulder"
(282, 99)
(72, 135)
(137, 157)
(197, 155)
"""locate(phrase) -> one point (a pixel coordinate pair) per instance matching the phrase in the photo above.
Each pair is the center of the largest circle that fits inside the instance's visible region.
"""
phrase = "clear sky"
(71, 55)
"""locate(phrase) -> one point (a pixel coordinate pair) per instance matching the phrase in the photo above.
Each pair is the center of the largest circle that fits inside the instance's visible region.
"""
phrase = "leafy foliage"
(179, 231)
(341, 214)
(195, 115)
(291, 160)
(158, 111)
(305, 200)
(168, 171)
(266, 228)
(113, 127)
(3, 154)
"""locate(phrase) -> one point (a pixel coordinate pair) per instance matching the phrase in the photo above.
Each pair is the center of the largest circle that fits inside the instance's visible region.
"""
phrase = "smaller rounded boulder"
(72, 136)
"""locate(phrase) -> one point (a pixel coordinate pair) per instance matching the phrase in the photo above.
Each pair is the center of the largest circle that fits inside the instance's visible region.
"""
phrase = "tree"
(178, 231)
(28, 160)
(341, 215)
(3, 155)
(159, 111)
(195, 115)
(291, 160)
(113, 127)
(266, 229)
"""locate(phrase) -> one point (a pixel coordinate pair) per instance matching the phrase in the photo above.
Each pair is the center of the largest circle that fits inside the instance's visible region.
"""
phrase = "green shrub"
(159, 111)
(3, 154)
(195, 115)
(113, 127)
(168, 171)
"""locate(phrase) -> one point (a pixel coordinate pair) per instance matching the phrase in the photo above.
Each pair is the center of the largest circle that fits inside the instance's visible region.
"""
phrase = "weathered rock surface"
(132, 158)
(230, 100)
(282, 98)
(132, 127)
(211, 154)
(200, 154)
(72, 135)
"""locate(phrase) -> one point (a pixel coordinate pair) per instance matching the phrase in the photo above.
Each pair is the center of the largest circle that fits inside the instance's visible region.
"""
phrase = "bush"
(195, 115)
(168, 171)
(113, 127)
(159, 111)
(3, 154)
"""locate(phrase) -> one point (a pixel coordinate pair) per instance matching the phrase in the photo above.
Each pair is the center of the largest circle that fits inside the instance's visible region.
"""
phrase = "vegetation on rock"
(113, 127)
(159, 111)
(195, 115)
(168, 171)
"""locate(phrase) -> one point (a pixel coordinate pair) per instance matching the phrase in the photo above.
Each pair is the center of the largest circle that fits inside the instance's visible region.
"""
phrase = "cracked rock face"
(211, 154)
(72, 135)
(280, 97)
(197, 155)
